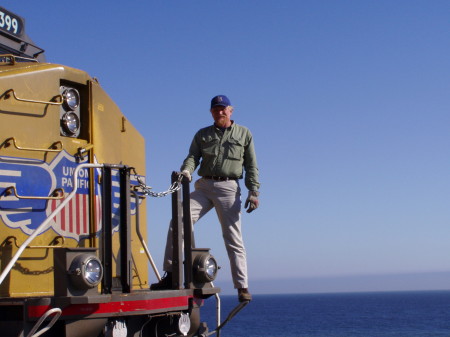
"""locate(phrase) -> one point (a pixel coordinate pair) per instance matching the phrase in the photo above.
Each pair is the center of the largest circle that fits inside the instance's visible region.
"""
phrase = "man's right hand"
(187, 174)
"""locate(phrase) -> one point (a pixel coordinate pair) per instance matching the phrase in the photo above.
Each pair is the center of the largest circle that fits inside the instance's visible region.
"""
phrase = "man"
(223, 150)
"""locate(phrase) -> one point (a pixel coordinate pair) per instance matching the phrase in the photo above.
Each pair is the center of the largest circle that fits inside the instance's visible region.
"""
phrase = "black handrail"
(107, 230)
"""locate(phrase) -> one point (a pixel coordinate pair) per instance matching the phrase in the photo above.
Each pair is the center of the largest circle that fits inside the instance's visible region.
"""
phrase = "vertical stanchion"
(107, 230)
(177, 238)
(125, 230)
(188, 239)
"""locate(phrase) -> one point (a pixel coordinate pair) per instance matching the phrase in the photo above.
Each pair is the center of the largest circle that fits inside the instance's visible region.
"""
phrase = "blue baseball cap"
(221, 100)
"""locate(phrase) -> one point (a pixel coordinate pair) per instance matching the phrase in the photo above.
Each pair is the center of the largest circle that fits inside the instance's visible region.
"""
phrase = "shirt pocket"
(235, 149)
(209, 147)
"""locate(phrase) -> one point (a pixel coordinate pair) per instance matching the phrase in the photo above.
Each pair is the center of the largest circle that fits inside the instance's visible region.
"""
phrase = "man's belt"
(219, 178)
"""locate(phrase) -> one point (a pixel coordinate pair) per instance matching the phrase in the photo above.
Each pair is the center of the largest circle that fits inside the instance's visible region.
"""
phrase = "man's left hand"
(252, 201)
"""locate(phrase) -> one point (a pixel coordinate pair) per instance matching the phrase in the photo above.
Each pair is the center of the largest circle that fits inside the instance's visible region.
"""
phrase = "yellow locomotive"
(72, 211)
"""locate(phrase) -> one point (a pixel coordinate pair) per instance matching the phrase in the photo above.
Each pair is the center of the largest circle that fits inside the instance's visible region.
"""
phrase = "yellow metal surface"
(116, 141)
(33, 126)
(36, 125)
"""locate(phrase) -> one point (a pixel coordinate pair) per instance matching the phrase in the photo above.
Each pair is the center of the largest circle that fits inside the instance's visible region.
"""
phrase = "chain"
(146, 190)
(27, 271)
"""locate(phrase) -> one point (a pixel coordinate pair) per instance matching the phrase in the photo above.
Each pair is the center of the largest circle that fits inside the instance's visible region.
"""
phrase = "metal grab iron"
(57, 194)
(52, 148)
(6, 94)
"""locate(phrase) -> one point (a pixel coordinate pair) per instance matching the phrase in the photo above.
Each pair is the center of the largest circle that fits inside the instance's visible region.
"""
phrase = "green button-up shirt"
(224, 154)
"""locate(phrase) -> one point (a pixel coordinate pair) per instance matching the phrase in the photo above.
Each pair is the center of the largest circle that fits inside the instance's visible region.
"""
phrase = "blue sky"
(347, 101)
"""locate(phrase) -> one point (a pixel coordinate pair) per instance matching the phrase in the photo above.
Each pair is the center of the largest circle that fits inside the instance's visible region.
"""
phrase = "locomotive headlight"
(211, 268)
(86, 271)
(71, 99)
(93, 271)
(205, 268)
(71, 123)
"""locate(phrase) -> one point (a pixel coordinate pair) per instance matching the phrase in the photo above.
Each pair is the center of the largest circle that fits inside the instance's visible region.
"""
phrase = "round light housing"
(86, 271)
(70, 123)
(71, 99)
(205, 268)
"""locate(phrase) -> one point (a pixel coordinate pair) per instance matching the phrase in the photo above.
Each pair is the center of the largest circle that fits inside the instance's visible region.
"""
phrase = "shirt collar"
(223, 129)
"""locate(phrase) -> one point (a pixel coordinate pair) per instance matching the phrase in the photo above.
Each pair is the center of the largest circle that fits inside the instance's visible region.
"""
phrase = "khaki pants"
(225, 197)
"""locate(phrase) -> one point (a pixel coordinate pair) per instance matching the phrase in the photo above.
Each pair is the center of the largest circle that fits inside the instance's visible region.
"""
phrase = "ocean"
(377, 314)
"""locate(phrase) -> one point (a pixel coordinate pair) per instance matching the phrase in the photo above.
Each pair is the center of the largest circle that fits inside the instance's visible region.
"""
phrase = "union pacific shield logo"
(33, 178)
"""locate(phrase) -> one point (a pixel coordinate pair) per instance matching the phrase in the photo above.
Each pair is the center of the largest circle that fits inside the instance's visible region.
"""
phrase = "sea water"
(378, 314)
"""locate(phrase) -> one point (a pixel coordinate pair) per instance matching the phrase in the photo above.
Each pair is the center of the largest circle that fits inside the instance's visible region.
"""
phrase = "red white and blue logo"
(34, 178)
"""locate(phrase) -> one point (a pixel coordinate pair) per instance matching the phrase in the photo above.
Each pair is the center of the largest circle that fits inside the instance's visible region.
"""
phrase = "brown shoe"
(244, 295)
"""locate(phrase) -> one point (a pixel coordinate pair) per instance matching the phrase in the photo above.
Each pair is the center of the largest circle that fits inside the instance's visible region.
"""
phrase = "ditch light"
(78, 271)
